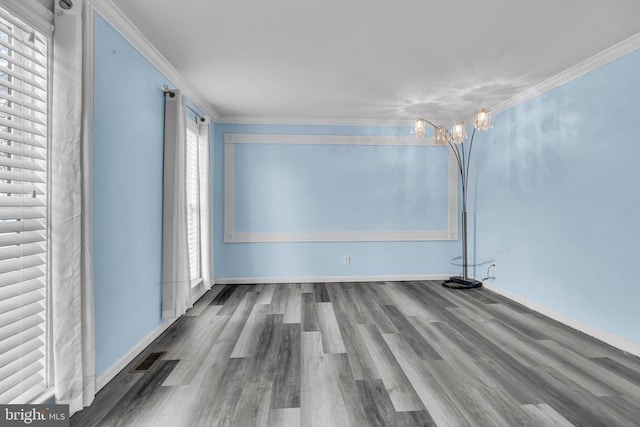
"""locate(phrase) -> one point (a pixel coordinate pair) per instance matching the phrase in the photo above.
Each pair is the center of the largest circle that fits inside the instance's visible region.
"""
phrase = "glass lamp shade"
(441, 136)
(482, 119)
(419, 127)
(458, 133)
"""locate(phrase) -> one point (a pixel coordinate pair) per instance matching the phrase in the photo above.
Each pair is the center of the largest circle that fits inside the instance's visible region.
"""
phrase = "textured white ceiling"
(375, 59)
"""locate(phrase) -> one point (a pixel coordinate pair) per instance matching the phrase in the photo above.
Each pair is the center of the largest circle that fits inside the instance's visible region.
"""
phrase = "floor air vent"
(148, 362)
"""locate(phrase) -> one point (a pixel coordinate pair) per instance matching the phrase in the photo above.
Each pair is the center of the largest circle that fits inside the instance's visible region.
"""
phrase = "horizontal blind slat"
(23, 348)
(24, 103)
(17, 366)
(19, 276)
(22, 188)
(28, 309)
(22, 175)
(23, 150)
(19, 226)
(20, 212)
(15, 112)
(26, 286)
(25, 163)
(22, 125)
(21, 201)
(15, 373)
(17, 339)
(30, 388)
(21, 138)
(23, 52)
(20, 39)
(20, 263)
(24, 76)
(24, 90)
(22, 238)
(21, 36)
(29, 302)
(16, 328)
(17, 61)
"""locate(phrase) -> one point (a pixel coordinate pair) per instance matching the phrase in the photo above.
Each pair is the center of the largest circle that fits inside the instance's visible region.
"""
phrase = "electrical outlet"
(346, 260)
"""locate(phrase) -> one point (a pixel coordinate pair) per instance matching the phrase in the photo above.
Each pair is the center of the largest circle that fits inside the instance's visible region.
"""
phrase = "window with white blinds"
(193, 202)
(23, 210)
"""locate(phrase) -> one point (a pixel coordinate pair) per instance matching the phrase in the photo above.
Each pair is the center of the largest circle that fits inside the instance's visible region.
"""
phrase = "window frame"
(197, 283)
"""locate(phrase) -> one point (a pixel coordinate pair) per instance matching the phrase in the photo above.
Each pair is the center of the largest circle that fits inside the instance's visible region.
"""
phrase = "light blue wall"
(127, 167)
(557, 200)
(293, 260)
(338, 188)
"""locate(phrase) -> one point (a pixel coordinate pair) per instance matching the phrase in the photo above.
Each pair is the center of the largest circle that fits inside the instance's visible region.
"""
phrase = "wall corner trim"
(130, 32)
(599, 59)
(592, 331)
(117, 367)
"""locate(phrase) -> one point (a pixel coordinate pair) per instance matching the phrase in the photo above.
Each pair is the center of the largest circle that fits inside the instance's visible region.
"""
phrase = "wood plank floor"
(370, 354)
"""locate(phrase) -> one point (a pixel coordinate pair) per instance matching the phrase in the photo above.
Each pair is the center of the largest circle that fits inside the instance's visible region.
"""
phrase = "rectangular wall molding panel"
(302, 188)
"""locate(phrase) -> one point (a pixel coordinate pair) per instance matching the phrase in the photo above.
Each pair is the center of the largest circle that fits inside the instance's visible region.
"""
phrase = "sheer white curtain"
(71, 224)
(176, 284)
(205, 203)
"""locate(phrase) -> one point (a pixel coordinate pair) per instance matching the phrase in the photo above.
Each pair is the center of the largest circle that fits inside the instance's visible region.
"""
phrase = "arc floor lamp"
(455, 138)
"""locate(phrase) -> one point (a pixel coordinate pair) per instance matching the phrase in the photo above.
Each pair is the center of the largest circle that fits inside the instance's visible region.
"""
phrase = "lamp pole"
(455, 138)
(463, 158)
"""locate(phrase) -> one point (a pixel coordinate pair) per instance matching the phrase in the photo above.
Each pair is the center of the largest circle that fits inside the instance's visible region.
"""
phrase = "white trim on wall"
(589, 64)
(592, 331)
(231, 236)
(130, 32)
(326, 279)
(313, 121)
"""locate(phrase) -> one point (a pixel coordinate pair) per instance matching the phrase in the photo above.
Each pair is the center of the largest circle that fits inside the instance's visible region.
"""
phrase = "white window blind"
(193, 202)
(23, 210)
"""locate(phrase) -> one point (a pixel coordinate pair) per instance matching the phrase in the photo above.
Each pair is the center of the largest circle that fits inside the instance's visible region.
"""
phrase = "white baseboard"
(592, 331)
(131, 354)
(323, 279)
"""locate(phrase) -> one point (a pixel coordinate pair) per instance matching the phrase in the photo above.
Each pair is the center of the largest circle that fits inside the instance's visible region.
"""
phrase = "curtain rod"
(171, 93)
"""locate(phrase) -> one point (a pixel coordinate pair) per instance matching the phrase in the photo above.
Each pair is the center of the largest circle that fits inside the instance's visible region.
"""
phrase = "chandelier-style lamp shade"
(441, 136)
(419, 127)
(458, 133)
(482, 119)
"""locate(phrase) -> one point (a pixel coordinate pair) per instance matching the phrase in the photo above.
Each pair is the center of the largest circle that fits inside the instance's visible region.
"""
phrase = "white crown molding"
(129, 31)
(262, 138)
(592, 331)
(309, 121)
(589, 64)
(326, 279)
